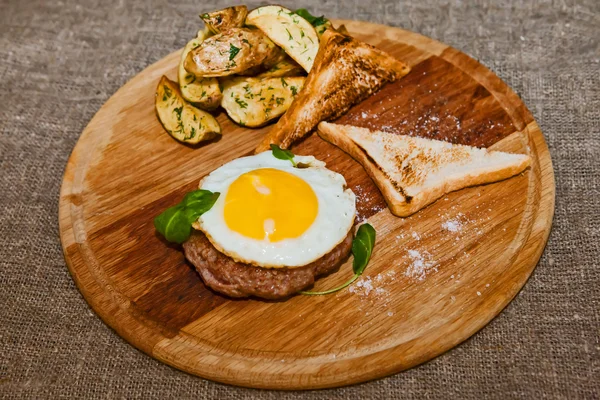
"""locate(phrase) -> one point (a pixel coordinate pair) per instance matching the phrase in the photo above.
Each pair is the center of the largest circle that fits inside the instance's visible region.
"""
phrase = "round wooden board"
(436, 277)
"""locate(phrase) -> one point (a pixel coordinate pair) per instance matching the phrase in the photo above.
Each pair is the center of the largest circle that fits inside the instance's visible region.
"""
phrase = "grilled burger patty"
(225, 275)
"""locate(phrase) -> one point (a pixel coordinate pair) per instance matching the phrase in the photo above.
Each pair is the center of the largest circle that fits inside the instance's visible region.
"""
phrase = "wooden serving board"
(435, 278)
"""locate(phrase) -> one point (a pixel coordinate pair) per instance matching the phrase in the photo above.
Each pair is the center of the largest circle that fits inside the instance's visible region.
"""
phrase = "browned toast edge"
(398, 203)
(332, 134)
(285, 131)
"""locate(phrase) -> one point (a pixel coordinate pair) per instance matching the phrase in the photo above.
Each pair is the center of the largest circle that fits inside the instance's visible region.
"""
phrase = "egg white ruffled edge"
(306, 162)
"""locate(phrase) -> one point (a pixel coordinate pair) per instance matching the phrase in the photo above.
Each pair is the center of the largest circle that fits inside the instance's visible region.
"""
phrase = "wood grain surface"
(435, 278)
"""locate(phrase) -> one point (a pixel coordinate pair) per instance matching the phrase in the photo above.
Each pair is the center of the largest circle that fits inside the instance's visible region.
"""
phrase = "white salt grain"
(421, 265)
(453, 225)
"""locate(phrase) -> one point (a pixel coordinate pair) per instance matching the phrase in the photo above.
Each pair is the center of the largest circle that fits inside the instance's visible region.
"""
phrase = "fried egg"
(272, 214)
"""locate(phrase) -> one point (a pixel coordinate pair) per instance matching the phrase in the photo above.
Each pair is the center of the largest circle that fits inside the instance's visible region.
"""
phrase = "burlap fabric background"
(61, 60)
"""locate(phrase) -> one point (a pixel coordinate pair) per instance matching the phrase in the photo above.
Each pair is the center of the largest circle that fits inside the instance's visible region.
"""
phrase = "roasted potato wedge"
(232, 52)
(285, 67)
(201, 92)
(181, 120)
(293, 33)
(222, 20)
(320, 23)
(270, 63)
(253, 102)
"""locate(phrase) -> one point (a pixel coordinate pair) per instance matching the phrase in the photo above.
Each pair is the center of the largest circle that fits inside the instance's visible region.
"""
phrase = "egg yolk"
(270, 204)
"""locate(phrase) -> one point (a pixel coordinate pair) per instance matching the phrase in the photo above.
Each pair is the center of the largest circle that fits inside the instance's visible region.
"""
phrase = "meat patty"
(225, 275)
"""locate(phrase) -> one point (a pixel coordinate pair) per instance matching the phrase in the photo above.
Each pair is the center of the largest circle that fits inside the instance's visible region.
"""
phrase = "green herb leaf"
(241, 103)
(362, 247)
(233, 51)
(167, 94)
(172, 224)
(314, 21)
(336, 289)
(282, 154)
(175, 223)
(198, 202)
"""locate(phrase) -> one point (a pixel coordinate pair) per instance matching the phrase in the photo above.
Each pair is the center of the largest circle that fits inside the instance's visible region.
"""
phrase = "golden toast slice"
(345, 72)
(412, 172)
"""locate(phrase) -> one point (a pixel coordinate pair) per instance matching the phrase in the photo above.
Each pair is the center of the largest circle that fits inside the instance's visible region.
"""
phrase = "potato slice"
(286, 67)
(267, 65)
(254, 101)
(201, 92)
(181, 120)
(293, 33)
(227, 18)
(231, 52)
(320, 23)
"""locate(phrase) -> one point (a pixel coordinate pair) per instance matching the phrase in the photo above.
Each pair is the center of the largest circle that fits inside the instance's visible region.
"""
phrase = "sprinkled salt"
(366, 284)
(421, 265)
(373, 289)
(452, 225)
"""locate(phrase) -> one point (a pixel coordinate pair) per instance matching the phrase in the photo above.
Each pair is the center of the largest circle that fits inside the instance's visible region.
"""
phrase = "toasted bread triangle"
(412, 172)
(345, 72)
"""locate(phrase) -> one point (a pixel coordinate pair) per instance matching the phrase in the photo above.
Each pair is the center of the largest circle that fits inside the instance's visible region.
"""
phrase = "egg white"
(335, 217)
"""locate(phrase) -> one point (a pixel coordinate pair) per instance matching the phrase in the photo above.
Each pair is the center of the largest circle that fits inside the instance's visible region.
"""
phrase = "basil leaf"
(198, 202)
(362, 247)
(200, 199)
(282, 154)
(175, 223)
(336, 289)
(314, 21)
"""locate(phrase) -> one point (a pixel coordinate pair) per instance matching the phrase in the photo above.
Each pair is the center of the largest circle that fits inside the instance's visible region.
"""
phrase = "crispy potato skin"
(253, 102)
(286, 67)
(288, 30)
(225, 19)
(203, 93)
(181, 120)
(232, 52)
